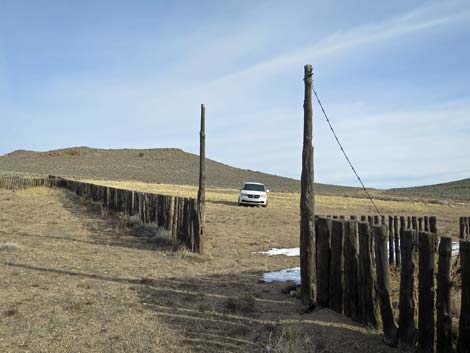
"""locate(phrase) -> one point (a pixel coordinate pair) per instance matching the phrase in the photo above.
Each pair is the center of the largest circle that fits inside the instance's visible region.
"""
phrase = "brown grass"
(85, 280)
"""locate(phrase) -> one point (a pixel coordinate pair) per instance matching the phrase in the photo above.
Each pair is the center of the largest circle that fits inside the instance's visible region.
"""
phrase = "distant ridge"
(455, 190)
(160, 165)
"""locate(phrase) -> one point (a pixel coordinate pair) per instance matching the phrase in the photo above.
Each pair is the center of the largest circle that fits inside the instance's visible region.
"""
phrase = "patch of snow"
(276, 251)
(287, 275)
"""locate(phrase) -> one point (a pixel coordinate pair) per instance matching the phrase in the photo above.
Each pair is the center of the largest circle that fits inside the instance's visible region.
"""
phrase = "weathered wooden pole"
(366, 281)
(379, 232)
(426, 293)
(462, 228)
(467, 226)
(463, 344)
(396, 233)
(336, 267)
(391, 249)
(444, 312)
(406, 319)
(351, 262)
(201, 194)
(307, 204)
(323, 234)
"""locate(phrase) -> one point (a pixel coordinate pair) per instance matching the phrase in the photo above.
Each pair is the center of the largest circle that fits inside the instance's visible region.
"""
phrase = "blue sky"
(393, 77)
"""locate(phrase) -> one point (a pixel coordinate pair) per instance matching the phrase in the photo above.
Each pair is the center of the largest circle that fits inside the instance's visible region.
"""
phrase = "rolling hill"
(174, 166)
(454, 190)
(162, 165)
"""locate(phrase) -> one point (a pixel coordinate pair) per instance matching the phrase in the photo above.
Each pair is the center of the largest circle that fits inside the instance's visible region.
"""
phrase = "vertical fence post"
(466, 221)
(201, 194)
(426, 223)
(391, 250)
(336, 266)
(307, 212)
(383, 285)
(463, 344)
(462, 228)
(426, 293)
(351, 262)
(433, 224)
(324, 225)
(396, 233)
(406, 320)
(368, 312)
(444, 312)
(414, 223)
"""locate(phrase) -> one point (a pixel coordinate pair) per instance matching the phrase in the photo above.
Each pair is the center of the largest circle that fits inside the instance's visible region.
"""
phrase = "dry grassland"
(76, 279)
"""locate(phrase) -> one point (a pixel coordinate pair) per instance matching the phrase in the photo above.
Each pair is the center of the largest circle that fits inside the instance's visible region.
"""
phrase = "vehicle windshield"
(254, 187)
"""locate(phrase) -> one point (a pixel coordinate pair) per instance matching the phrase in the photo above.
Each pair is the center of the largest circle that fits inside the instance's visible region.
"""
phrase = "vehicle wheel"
(266, 205)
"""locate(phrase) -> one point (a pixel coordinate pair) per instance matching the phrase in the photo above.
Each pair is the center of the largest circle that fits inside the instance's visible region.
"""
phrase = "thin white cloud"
(415, 21)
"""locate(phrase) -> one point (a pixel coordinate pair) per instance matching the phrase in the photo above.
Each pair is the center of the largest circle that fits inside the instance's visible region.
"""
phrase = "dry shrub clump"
(9, 247)
(245, 304)
(294, 340)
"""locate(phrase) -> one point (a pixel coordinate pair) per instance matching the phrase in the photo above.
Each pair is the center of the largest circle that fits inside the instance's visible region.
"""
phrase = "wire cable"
(344, 152)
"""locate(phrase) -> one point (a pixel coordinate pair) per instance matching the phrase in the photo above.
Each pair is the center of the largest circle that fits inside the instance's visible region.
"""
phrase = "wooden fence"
(18, 183)
(354, 278)
(395, 228)
(178, 215)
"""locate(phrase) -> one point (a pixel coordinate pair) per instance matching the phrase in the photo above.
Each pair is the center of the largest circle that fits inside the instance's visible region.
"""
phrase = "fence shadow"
(235, 313)
(112, 230)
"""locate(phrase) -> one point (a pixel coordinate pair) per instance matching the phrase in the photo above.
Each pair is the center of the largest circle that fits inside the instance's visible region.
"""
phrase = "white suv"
(253, 194)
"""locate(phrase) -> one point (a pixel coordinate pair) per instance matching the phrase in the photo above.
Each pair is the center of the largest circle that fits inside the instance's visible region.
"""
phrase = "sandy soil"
(75, 280)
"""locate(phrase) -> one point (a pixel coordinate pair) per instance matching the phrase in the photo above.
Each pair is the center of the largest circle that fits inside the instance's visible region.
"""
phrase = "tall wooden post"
(366, 281)
(426, 293)
(307, 213)
(444, 284)
(201, 194)
(463, 343)
(336, 266)
(396, 233)
(406, 319)
(379, 232)
(324, 226)
(391, 249)
(351, 263)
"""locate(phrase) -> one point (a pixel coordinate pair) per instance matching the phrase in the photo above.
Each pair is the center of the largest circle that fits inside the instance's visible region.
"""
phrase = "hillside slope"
(455, 190)
(163, 165)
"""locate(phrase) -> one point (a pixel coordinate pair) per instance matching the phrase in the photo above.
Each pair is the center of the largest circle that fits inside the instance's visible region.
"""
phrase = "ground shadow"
(111, 229)
(237, 313)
